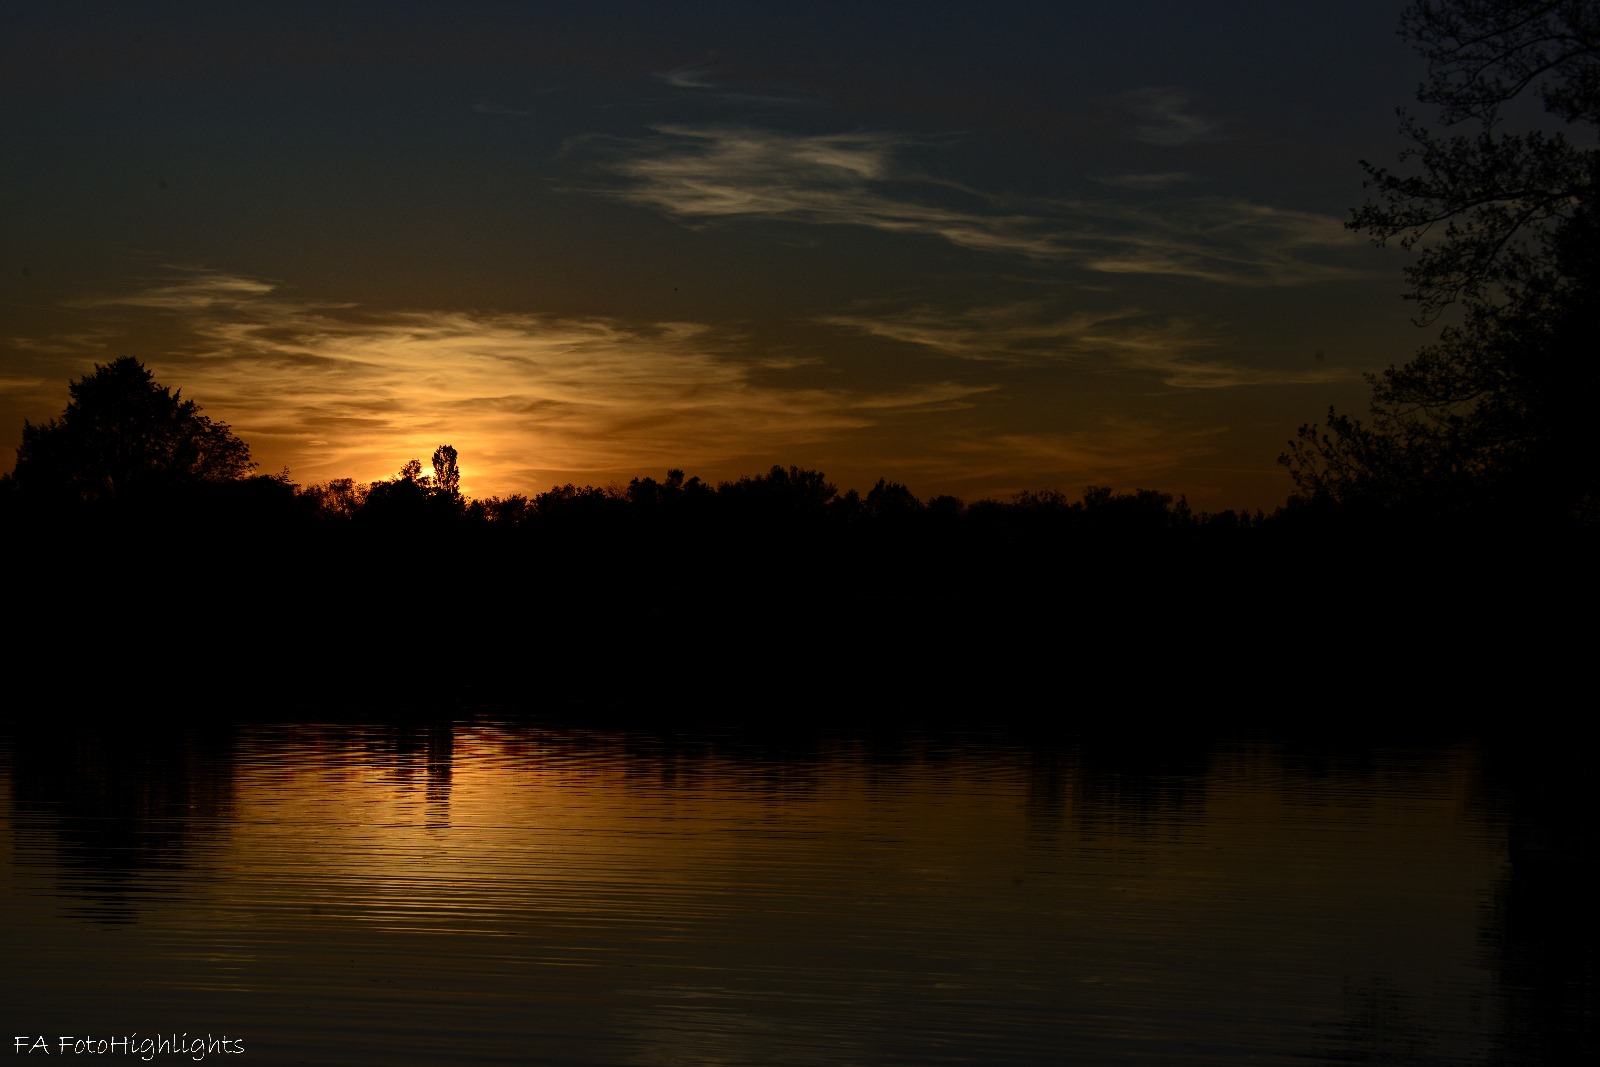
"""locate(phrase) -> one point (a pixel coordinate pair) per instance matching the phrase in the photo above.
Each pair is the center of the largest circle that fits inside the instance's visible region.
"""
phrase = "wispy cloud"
(689, 78)
(844, 179)
(704, 83)
(194, 290)
(707, 174)
(65, 344)
(1180, 353)
(337, 391)
(10, 383)
(1167, 117)
(1218, 240)
(1016, 332)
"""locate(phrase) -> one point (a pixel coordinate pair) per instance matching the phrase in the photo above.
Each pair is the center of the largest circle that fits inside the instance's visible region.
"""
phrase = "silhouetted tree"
(781, 493)
(400, 501)
(1143, 511)
(446, 475)
(892, 501)
(510, 512)
(1504, 223)
(1503, 198)
(339, 499)
(122, 433)
(648, 495)
(568, 504)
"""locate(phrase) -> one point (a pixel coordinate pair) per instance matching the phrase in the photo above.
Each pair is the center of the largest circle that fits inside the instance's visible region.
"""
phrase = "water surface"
(485, 892)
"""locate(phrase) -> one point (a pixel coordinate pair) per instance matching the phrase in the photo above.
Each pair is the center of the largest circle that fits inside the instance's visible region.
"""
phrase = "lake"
(477, 890)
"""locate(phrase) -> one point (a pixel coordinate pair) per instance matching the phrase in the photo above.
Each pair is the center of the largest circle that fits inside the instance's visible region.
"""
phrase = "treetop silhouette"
(121, 434)
(447, 472)
(1496, 412)
(1489, 205)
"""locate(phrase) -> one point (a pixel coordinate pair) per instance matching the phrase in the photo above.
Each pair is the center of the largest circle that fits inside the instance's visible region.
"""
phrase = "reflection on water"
(479, 892)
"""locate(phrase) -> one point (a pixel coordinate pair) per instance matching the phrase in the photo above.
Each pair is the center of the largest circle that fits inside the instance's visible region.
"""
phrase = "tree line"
(176, 575)
(127, 445)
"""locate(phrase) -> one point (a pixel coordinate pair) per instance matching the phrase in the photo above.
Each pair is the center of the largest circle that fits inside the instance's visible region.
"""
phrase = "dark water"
(477, 892)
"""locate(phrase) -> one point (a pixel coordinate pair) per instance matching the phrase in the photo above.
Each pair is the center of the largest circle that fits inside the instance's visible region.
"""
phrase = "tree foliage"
(792, 493)
(1502, 220)
(122, 433)
(446, 472)
(411, 495)
(1485, 206)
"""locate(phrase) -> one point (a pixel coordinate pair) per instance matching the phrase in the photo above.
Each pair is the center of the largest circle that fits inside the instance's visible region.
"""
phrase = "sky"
(972, 248)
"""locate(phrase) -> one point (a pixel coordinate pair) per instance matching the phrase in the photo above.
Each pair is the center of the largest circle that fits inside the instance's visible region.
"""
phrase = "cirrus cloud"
(721, 174)
(1180, 353)
(334, 390)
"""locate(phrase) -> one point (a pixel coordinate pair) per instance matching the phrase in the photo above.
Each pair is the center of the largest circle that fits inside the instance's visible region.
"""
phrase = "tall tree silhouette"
(446, 473)
(123, 433)
(1503, 222)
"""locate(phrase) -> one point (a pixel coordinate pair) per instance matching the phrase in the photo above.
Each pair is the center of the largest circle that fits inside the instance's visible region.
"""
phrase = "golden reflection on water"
(481, 891)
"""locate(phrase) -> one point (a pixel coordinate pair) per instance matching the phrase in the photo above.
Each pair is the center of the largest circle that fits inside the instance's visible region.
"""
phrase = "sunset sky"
(975, 248)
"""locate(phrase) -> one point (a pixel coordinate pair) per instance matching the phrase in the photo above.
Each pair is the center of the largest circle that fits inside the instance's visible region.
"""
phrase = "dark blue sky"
(973, 248)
